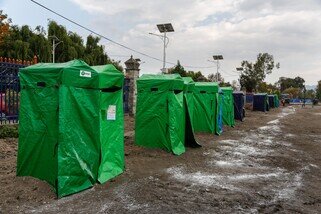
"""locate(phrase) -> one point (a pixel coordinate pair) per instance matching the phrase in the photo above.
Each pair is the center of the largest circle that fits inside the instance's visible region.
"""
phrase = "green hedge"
(9, 131)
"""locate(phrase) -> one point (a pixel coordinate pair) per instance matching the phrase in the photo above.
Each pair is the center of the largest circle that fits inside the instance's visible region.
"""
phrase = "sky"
(290, 30)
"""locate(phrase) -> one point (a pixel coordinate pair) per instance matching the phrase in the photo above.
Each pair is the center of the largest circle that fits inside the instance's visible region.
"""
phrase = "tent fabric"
(219, 127)
(65, 137)
(260, 102)
(206, 107)
(111, 129)
(160, 119)
(228, 106)
(189, 86)
(276, 101)
(271, 101)
(239, 105)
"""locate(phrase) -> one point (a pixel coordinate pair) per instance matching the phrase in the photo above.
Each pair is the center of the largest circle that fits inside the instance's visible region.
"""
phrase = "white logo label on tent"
(111, 112)
(85, 74)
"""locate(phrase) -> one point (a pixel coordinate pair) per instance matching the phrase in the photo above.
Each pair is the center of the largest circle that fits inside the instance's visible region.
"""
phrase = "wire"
(110, 40)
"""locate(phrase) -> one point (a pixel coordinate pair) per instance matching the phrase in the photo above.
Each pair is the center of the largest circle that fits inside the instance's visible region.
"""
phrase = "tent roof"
(109, 74)
(160, 81)
(189, 84)
(73, 73)
(238, 92)
(188, 80)
(227, 88)
(260, 94)
(54, 67)
(209, 87)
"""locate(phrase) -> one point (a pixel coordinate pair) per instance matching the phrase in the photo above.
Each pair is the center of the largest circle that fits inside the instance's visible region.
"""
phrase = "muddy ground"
(269, 163)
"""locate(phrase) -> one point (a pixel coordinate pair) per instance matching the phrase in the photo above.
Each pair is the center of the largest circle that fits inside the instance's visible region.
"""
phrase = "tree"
(293, 92)
(255, 73)
(23, 43)
(267, 88)
(285, 83)
(309, 94)
(4, 25)
(318, 90)
(178, 69)
(234, 85)
(217, 77)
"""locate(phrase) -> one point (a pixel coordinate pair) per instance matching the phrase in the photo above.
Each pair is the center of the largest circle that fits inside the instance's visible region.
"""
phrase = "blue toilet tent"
(272, 103)
(260, 102)
(239, 100)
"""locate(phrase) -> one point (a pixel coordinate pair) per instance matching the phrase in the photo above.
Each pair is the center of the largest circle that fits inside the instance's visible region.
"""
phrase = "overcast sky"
(290, 30)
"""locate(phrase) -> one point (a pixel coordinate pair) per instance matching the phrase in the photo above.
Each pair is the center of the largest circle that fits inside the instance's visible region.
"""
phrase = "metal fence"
(9, 92)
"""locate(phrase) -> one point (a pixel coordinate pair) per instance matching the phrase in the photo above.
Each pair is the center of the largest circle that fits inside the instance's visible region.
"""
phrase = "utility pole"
(54, 45)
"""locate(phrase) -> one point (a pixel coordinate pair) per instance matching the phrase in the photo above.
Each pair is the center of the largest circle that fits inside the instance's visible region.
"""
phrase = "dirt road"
(269, 163)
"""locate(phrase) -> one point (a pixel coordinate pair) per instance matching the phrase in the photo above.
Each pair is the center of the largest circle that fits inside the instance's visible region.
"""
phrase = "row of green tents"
(170, 109)
(71, 120)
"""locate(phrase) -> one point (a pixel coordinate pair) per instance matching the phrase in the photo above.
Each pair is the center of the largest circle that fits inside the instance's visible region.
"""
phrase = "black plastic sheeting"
(239, 112)
(260, 102)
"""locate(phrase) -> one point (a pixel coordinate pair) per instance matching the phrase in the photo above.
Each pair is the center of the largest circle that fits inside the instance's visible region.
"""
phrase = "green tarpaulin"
(228, 106)
(70, 124)
(189, 86)
(206, 107)
(160, 115)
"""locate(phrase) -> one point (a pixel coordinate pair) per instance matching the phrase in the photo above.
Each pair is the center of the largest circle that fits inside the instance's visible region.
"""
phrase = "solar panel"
(165, 27)
(217, 57)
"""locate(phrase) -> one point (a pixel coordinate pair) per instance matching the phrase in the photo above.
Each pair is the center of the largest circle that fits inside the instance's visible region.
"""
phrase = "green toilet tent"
(160, 115)
(70, 125)
(206, 107)
(228, 106)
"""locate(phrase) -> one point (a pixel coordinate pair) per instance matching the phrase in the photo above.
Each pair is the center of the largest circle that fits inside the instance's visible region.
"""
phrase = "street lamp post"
(240, 69)
(217, 58)
(164, 28)
(54, 45)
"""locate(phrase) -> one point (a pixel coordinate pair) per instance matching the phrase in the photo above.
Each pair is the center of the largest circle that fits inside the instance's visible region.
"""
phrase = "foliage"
(24, 43)
(4, 25)
(293, 92)
(285, 83)
(264, 87)
(179, 69)
(318, 90)
(217, 77)
(309, 94)
(255, 73)
(9, 131)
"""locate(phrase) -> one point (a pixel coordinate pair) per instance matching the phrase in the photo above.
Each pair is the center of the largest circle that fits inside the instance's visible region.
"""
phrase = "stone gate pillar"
(132, 73)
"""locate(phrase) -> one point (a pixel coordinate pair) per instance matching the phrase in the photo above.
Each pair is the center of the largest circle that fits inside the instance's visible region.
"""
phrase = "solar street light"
(217, 58)
(164, 28)
(54, 45)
